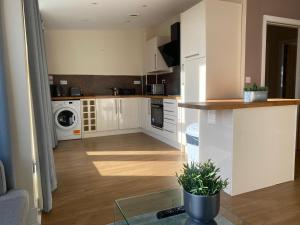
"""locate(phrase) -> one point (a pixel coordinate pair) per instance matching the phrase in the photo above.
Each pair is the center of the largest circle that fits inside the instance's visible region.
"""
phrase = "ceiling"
(109, 14)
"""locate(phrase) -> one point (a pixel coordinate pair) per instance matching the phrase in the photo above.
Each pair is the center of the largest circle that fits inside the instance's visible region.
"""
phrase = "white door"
(194, 80)
(107, 114)
(194, 90)
(129, 113)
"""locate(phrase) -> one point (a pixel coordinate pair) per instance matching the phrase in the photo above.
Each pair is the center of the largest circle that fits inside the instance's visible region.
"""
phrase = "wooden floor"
(94, 172)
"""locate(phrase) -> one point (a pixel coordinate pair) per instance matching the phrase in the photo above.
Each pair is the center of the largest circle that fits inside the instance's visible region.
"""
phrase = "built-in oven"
(157, 113)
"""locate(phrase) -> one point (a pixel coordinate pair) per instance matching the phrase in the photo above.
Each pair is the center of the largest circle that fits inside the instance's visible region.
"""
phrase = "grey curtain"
(40, 88)
(5, 150)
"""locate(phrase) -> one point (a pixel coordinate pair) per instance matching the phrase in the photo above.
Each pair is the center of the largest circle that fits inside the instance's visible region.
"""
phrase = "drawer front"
(170, 128)
(170, 119)
(172, 112)
(170, 105)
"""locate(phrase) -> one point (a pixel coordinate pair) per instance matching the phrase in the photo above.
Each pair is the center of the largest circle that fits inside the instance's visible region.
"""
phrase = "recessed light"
(134, 14)
(127, 21)
(94, 3)
(144, 6)
(84, 20)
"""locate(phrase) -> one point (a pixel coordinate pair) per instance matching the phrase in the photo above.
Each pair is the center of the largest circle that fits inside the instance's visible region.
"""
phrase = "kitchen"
(121, 104)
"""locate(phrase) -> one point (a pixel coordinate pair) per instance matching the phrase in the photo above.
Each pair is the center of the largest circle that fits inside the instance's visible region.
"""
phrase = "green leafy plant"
(254, 87)
(201, 179)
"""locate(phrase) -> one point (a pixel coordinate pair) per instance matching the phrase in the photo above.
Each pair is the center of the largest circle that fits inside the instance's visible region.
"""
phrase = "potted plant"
(255, 93)
(201, 186)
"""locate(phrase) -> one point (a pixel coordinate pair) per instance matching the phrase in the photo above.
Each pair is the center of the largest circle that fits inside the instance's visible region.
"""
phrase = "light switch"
(248, 80)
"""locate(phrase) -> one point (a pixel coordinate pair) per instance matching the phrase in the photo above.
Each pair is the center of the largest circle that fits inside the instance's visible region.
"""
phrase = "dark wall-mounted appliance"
(171, 51)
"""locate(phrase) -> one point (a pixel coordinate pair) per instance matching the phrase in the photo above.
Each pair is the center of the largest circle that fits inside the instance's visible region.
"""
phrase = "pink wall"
(255, 11)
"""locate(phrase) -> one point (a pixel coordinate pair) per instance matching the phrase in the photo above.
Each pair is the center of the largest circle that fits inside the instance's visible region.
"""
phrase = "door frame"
(285, 22)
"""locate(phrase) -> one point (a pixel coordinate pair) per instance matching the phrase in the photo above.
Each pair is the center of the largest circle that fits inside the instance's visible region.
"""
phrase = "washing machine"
(67, 119)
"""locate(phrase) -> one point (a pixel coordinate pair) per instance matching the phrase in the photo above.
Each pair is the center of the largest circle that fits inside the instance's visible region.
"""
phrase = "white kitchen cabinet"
(129, 113)
(193, 31)
(146, 113)
(154, 62)
(212, 29)
(107, 114)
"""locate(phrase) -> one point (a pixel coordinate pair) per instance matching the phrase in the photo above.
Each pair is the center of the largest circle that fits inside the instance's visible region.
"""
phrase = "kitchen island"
(253, 143)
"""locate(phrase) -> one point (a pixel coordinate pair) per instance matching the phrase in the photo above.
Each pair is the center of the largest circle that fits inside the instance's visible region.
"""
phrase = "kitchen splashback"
(172, 81)
(97, 84)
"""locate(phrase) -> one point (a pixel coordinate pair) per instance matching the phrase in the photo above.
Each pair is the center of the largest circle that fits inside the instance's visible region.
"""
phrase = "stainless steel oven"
(157, 113)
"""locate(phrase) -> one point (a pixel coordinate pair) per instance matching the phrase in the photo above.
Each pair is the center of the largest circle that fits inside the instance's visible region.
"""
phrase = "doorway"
(281, 60)
(280, 70)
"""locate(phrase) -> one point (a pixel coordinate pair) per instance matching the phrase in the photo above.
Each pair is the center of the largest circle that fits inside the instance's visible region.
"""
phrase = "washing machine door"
(66, 118)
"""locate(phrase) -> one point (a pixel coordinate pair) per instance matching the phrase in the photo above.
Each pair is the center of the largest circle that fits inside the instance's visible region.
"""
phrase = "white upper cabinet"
(107, 114)
(129, 113)
(193, 32)
(154, 62)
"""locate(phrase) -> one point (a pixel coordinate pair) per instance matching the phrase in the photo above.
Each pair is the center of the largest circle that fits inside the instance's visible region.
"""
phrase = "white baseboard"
(110, 133)
(163, 139)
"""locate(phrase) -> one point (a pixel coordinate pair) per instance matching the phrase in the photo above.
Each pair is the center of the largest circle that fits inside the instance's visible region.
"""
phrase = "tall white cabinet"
(211, 32)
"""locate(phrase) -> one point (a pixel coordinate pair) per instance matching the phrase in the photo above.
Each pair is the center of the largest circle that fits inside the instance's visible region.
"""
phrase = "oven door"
(157, 116)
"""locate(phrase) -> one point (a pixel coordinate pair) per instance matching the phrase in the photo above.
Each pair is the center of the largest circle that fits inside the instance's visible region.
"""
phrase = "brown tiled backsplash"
(98, 84)
(102, 84)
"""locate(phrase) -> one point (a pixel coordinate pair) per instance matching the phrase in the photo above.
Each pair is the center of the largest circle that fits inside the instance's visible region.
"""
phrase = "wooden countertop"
(176, 97)
(237, 104)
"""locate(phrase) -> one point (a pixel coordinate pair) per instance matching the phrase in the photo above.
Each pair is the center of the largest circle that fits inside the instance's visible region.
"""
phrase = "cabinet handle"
(116, 106)
(120, 106)
(155, 61)
(190, 56)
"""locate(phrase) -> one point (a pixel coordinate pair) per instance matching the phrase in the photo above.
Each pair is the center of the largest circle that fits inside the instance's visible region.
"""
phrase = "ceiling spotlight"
(94, 3)
(84, 20)
(144, 6)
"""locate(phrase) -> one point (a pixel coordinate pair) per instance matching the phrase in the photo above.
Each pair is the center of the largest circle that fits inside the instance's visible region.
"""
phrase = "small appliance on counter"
(75, 92)
(57, 90)
(155, 89)
(127, 91)
(115, 91)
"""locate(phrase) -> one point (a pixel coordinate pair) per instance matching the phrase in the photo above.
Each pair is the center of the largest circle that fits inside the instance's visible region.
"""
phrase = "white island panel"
(264, 147)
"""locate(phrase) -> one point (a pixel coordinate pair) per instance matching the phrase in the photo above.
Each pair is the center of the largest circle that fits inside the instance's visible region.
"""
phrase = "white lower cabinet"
(107, 114)
(118, 114)
(146, 113)
(129, 113)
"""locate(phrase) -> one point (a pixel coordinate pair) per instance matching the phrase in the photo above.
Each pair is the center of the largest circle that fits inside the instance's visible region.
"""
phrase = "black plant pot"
(201, 209)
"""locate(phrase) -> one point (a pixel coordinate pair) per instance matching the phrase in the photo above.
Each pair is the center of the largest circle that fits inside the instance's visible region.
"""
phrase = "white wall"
(95, 52)
(20, 107)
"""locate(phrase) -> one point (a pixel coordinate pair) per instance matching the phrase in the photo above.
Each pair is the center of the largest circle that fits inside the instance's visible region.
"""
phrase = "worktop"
(176, 97)
(237, 104)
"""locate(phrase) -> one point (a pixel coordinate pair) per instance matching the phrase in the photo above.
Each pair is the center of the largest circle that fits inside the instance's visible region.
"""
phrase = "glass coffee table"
(142, 210)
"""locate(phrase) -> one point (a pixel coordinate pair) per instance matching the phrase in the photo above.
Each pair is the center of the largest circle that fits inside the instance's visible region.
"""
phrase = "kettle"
(115, 91)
